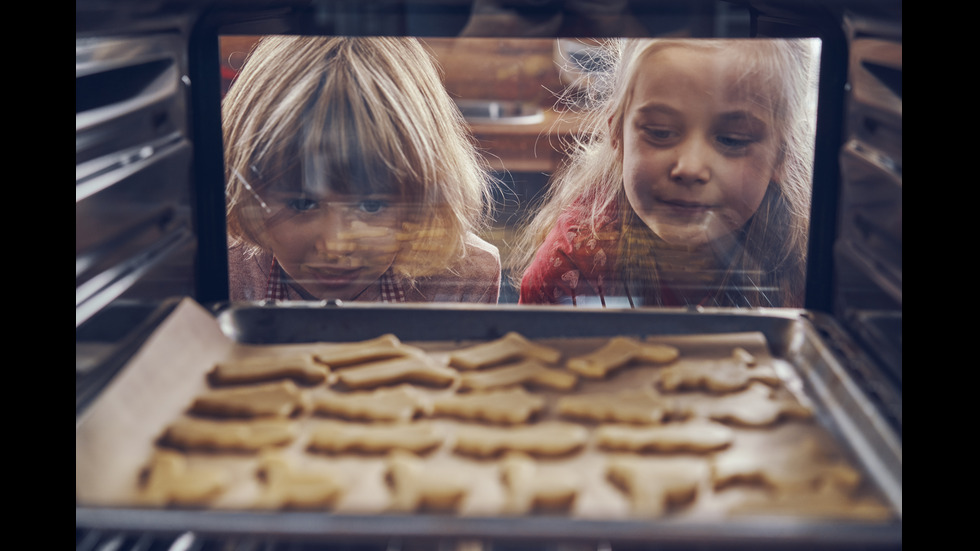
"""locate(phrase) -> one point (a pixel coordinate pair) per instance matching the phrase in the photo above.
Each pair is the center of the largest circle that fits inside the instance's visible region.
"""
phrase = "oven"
(151, 248)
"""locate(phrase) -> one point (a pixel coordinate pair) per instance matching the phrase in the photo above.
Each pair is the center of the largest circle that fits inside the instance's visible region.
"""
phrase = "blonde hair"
(361, 115)
(769, 270)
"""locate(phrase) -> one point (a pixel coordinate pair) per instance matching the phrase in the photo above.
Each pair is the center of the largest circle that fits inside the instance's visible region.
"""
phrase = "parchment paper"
(118, 434)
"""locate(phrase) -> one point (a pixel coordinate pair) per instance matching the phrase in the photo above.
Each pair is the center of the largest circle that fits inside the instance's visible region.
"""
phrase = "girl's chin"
(687, 236)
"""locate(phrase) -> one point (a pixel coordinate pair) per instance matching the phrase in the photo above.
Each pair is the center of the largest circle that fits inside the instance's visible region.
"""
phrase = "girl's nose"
(332, 235)
(691, 165)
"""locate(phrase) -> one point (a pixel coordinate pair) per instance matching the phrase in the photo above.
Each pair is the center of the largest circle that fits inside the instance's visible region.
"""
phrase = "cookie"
(718, 376)
(413, 368)
(230, 436)
(528, 372)
(617, 352)
(696, 436)
(511, 346)
(531, 487)
(640, 406)
(803, 468)
(301, 369)
(417, 487)
(655, 487)
(350, 353)
(279, 399)
(285, 486)
(509, 407)
(544, 439)
(756, 406)
(168, 480)
(340, 437)
(400, 403)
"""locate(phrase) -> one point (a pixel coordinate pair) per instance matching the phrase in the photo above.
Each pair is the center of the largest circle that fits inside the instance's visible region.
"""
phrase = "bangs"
(343, 146)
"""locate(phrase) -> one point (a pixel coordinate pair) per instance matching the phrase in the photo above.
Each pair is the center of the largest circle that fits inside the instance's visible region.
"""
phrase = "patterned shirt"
(278, 289)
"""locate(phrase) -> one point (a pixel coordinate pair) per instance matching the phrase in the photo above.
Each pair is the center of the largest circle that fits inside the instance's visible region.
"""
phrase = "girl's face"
(334, 246)
(697, 151)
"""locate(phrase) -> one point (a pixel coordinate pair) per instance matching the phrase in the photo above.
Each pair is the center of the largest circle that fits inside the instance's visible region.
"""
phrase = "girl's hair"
(355, 115)
(769, 269)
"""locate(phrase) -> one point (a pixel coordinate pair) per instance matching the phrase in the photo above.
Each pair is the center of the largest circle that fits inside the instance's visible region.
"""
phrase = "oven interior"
(150, 225)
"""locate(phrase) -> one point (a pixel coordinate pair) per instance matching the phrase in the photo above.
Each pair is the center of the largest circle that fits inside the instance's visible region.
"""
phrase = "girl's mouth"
(686, 209)
(332, 277)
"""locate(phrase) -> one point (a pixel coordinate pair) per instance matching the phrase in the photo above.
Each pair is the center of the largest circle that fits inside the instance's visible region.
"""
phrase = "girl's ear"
(613, 134)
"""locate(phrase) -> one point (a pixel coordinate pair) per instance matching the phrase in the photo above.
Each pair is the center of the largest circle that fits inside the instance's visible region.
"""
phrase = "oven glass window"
(627, 172)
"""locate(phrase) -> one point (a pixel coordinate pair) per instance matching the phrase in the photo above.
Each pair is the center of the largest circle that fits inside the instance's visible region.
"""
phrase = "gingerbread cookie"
(417, 487)
(340, 437)
(230, 436)
(756, 406)
(350, 353)
(511, 346)
(279, 399)
(528, 372)
(302, 369)
(617, 352)
(168, 480)
(721, 376)
(401, 403)
(509, 406)
(544, 439)
(696, 436)
(657, 486)
(640, 406)
(412, 368)
(803, 468)
(531, 487)
(285, 486)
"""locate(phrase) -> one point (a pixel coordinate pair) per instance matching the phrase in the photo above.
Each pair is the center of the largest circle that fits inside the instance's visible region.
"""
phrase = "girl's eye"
(302, 204)
(372, 206)
(659, 134)
(734, 141)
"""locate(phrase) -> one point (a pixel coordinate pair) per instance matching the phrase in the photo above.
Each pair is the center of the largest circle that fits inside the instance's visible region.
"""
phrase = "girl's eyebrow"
(741, 116)
(653, 108)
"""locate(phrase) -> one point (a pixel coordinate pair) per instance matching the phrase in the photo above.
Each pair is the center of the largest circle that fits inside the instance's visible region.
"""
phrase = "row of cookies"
(255, 417)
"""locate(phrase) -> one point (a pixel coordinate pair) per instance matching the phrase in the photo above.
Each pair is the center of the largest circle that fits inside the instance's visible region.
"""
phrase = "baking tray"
(799, 337)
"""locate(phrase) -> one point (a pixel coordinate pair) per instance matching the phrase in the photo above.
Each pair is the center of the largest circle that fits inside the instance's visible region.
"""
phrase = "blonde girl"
(351, 175)
(691, 185)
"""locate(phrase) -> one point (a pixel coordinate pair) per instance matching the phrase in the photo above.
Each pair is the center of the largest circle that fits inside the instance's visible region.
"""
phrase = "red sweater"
(575, 266)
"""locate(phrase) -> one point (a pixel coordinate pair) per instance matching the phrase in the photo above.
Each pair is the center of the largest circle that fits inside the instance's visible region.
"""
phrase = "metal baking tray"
(811, 342)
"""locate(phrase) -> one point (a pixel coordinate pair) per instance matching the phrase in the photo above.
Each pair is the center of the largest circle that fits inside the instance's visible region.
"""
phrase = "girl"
(693, 185)
(350, 175)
